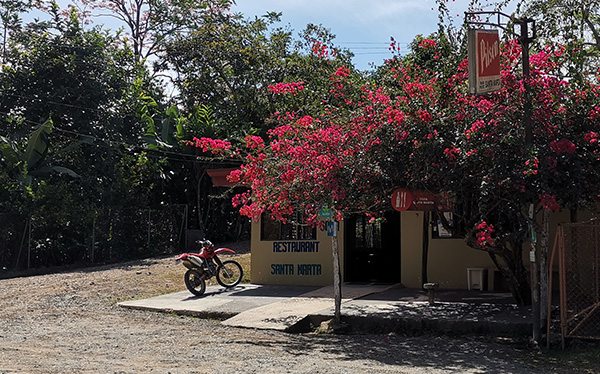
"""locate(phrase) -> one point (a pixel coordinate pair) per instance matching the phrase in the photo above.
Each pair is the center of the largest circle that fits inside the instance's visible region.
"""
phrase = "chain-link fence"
(578, 247)
(14, 239)
(30, 241)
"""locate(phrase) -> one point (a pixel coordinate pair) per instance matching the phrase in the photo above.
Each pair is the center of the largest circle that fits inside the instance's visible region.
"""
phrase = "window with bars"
(294, 229)
(368, 234)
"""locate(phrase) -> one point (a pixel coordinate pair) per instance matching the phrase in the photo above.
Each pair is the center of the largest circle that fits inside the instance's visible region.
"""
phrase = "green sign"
(325, 213)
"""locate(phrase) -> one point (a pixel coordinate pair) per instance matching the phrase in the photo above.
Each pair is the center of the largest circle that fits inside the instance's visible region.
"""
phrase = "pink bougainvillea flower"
(562, 146)
(283, 88)
(549, 203)
(484, 234)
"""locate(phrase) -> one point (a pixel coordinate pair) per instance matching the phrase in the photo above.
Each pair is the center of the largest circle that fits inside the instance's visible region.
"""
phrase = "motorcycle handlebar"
(205, 243)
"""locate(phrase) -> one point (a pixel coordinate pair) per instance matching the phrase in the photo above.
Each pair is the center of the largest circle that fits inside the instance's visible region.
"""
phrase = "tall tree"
(229, 61)
(91, 87)
(150, 22)
(427, 132)
(310, 163)
(10, 11)
(573, 24)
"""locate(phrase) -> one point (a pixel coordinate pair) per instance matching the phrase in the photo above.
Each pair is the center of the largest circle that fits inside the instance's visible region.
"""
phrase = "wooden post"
(337, 280)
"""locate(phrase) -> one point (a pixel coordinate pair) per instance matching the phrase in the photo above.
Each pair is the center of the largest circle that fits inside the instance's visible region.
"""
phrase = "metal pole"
(148, 244)
(186, 225)
(93, 238)
(524, 40)
(526, 75)
(527, 105)
(535, 280)
(29, 244)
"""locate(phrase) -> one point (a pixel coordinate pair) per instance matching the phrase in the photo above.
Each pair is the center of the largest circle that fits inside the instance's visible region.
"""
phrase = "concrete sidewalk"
(366, 308)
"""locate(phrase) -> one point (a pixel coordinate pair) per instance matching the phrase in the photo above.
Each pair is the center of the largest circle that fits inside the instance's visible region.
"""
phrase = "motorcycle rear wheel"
(229, 274)
(194, 281)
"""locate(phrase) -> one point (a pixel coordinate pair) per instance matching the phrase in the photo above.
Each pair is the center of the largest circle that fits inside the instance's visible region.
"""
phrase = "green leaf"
(149, 139)
(167, 131)
(38, 145)
(56, 169)
(8, 151)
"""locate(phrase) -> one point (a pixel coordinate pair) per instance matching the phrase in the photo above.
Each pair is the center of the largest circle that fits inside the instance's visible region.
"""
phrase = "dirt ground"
(69, 322)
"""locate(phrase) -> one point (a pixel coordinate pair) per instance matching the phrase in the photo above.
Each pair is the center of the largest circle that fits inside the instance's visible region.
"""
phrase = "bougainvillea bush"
(418, 127)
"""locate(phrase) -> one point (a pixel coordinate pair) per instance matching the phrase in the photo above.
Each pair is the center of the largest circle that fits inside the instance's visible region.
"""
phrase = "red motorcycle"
(202, 266)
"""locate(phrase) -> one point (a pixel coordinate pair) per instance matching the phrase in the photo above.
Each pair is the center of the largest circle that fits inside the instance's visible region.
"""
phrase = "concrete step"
(291, 315)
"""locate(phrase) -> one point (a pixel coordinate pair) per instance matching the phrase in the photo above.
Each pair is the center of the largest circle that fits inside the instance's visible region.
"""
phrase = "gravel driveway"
(70, 323)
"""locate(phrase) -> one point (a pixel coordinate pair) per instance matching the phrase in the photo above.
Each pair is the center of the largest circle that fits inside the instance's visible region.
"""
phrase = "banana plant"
(171, 127)
(24, 164)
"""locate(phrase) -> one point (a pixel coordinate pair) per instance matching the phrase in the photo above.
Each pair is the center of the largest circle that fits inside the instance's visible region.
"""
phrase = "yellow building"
(391, 251)
(388, 252)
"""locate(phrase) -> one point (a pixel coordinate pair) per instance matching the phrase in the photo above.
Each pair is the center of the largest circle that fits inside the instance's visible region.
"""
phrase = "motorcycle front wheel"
(229, 274)
(195, 282)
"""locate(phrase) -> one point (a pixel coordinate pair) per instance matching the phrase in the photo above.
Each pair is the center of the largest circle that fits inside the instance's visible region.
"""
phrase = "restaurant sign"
(484, 61)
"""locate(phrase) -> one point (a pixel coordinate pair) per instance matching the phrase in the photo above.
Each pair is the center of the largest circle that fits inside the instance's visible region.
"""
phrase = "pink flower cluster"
(484, 234)
(216, 146)
(235, 176)
(254, 142)
(319, 49)
(562, 146)
(342, 72)
(427, 43)
(591, 137)
(282, 88)
(452, 153)
(549, 203)
(475, 127)
(533, 166)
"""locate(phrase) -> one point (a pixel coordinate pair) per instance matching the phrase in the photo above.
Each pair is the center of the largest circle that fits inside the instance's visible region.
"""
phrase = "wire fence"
(30, 241)
(578, 246)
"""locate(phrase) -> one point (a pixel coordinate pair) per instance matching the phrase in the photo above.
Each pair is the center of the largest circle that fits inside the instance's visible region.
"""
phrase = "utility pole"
(525, 39)
(534, 256)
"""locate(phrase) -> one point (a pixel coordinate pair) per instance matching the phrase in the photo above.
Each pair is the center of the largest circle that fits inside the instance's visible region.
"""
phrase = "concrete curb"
(371, 310)
(204, 314)
(421, 326)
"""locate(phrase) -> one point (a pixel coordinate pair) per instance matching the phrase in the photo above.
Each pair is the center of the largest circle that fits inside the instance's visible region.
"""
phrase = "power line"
(45, 100)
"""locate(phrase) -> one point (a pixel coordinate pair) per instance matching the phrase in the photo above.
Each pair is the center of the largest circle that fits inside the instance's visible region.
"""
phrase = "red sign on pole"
(401, 199)
(424, 201)
(415, 200)
(484, 61)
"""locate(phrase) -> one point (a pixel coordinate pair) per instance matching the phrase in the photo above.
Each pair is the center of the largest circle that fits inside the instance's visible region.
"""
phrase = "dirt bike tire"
(229, 274)
(194, 282)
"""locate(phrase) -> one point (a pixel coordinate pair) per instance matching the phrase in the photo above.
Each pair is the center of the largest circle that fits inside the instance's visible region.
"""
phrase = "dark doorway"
(372, 250)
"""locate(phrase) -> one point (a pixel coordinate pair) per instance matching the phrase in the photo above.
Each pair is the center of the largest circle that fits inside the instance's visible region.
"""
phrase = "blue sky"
(364, 27)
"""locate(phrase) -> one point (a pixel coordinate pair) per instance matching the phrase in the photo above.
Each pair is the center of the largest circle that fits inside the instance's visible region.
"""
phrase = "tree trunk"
(337, 280)
(515, 274)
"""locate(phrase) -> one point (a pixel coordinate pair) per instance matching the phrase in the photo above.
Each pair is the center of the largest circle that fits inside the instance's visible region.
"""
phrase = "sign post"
(526, 36)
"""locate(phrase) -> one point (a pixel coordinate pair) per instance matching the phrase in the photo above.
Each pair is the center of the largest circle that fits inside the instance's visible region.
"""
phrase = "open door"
(372, 250)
